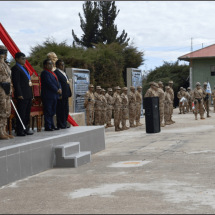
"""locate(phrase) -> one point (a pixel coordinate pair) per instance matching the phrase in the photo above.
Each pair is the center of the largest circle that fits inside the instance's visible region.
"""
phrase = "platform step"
(69, 155)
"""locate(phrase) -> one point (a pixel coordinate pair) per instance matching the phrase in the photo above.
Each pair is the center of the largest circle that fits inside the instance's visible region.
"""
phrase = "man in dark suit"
(22, 92)
(62, 103)
(50, 91)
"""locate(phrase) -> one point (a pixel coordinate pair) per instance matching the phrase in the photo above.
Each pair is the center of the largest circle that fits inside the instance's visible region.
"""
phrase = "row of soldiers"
(99, 106)
(165, 101)
(200, 98)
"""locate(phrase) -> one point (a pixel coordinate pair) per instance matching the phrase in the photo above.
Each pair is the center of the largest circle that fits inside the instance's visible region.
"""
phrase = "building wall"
(202, 71)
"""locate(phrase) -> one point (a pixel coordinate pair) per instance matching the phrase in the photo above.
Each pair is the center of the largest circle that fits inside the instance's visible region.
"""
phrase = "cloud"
(161, 25)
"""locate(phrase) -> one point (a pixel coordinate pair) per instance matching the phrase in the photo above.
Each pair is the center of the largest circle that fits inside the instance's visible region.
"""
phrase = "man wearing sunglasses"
(23, 93)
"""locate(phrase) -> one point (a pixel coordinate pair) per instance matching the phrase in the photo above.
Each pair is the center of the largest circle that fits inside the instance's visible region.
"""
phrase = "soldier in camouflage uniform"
(167, 106)
(104, 108)
(152, 91)
(161, 102)
(5, 93)
(181, 105)
(98, 105)
(117, 103)
(206, 99)
(187, 102)
(172, 99)
(124, 98)
(89, 105)
(132, 106)
(109, 99)
(138, 105)
(198, 98)
(189, 92)
(213, 97)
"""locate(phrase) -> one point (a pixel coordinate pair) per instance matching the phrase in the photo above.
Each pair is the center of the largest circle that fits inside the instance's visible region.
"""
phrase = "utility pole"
(191, 65)
(202, 45)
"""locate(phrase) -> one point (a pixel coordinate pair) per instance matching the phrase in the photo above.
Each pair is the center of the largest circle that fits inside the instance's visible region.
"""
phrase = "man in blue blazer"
(62, 111)
(50, 92)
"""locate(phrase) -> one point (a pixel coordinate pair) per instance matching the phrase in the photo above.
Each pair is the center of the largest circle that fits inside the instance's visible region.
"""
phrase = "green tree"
(90, 26)
(108, 32)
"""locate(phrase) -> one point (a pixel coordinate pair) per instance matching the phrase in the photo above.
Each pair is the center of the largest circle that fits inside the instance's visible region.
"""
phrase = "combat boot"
(132, 126)
(196, 118)
(138, 124)
(10, 136)
(127, 128)
(167, 123)
(162, 125)
(124, 128)
(202, 116)
(2, 135)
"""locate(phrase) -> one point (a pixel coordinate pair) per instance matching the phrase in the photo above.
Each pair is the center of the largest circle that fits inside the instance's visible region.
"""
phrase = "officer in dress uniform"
(62, 110)
(23, 93)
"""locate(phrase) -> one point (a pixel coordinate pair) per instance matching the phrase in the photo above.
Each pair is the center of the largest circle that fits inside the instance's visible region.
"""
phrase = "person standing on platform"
(50, 92)
(138, 105)
(172, 99)
(124, 98)
(213, 97)
(5, 93)
(98, 105)
(117, 103)
(198, 98)
(167, 106)
(132, 107)
(104, 108)
(161, 103)
(181, 105)
(23, 93)
(190, 99)
(89, 105)
(109, 99)
(206, 99)
(62, 110)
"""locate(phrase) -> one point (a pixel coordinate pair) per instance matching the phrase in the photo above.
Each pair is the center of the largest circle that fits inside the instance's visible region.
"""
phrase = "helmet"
(170, 82)
(91, 86)
(139, 87)
(198, 84)
(124, 88)
(205, 83)
(132, 88)
(110, 89)
(98, 87)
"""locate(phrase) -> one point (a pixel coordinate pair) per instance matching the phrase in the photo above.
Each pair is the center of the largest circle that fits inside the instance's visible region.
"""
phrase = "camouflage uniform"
(167, 106)
(109, 99)
(138, 106)
(161, 103)
(189, 92)
(151, 92)
(5, 105)
(198, 98)
(213, 97)
(104, 109)
(98, 106)
(132, 107)
(187, 102)
(124, 98)
(180, 95)
(172, 99)
(89, 105)
(117, 103)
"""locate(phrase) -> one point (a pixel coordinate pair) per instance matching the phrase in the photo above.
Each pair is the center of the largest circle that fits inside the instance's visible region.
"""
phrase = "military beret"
(198, 84)
(205, 83)
(90, 86)
(103, 90)
(160, 82)
(132, 88)
(110, 89)
(170, 82)
(139, 87)
(98, 87)
(167, 87)
(118, 88)
(124, 88)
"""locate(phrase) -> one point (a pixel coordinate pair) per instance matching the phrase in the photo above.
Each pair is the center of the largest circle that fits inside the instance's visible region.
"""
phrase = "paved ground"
(168, 172)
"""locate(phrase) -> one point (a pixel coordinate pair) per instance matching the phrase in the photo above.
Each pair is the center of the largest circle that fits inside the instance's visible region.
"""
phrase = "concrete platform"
(26, 156)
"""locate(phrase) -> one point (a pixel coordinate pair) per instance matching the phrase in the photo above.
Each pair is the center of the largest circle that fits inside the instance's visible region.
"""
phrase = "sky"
(162, 29)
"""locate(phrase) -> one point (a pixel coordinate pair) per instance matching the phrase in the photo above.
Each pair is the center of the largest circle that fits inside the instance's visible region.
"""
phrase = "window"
(212, 70)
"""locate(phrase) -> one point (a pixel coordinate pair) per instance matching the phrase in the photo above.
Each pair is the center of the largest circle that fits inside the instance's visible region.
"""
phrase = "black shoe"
(69, 126)
(28, 132)
(49, 129)
(62, 127)
(55, 128)
(21, 134)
